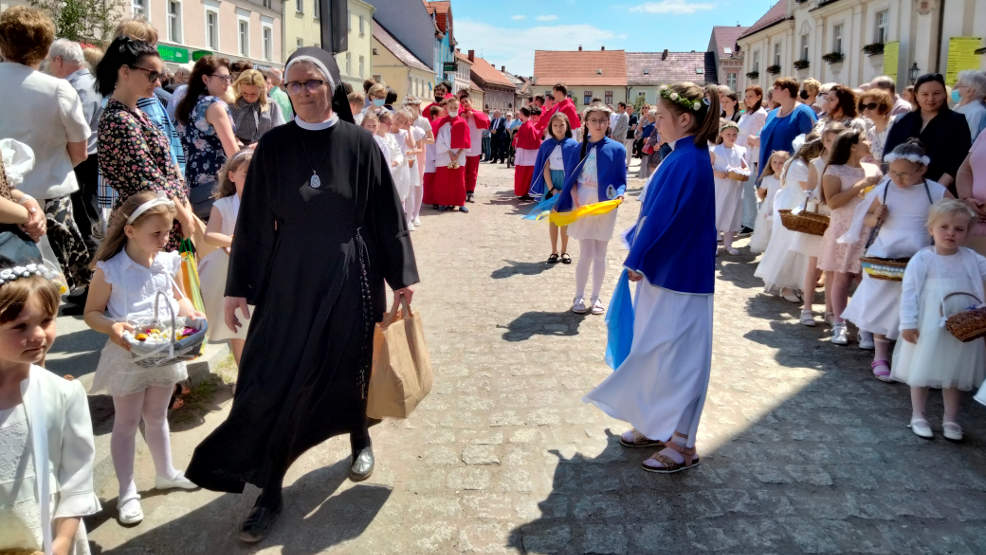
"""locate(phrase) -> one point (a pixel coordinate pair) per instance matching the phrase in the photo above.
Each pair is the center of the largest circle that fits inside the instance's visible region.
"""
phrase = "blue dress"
(778, 133)
(205, 155)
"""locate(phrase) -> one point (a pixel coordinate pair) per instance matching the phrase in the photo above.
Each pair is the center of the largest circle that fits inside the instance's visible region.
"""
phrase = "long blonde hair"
(225, 187)
(256, 79)
(115, 238)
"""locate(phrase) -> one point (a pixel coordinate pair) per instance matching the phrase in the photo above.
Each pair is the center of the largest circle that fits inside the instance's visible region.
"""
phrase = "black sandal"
(553, 259)
(565, 258)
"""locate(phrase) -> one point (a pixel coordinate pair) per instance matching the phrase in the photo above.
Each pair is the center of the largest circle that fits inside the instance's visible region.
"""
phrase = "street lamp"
(912, 73)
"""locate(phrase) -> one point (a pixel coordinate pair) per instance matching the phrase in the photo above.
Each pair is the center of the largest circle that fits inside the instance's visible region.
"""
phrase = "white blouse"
(135, 286)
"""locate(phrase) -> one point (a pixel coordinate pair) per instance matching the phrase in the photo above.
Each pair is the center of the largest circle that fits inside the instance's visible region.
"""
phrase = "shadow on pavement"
(534, 323)
(514, 268)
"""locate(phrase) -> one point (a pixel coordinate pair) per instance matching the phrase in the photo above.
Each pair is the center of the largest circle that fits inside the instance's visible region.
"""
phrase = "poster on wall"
(961, 56)
(891, 57)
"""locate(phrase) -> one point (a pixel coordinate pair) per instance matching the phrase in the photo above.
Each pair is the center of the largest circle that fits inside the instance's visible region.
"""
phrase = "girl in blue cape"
(557, 159)
(600, 175)
(661, 346)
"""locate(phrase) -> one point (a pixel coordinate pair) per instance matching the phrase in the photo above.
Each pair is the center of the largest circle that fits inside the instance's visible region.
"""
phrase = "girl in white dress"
(395, 140)
(214, 265)
(769, 185)
(46, 442)
(130, 270)
(897, 210)
(730, 169)
(930, 356)
(414, 145)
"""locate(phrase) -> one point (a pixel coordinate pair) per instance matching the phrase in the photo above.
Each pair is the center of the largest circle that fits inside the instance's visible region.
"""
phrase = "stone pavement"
(803, 451)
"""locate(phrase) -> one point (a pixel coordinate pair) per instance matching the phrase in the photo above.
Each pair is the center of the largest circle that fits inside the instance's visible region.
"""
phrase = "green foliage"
(89, 21)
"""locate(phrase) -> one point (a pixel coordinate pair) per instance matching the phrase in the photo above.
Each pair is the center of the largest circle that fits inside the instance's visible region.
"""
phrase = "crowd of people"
(106, 174)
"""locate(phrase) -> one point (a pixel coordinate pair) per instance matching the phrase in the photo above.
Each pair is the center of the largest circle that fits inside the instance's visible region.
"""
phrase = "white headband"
(156, 201)
(923, 160)
(319, 65)
(44, 269)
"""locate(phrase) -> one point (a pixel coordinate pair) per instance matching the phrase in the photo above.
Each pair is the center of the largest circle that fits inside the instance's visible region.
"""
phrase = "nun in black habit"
(320, 229)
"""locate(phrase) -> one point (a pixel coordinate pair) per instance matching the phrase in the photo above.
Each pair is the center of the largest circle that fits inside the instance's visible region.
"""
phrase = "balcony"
(834, 57)
(873, 49)
(801, 64)
(774, 69)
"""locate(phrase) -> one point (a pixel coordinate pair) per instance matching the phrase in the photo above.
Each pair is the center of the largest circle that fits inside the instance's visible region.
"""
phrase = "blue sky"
(507, 32)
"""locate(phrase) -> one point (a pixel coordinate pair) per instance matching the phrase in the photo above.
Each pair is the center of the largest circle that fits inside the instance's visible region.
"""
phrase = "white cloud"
(673, 7)
(549, 17)
(518, 17)
(515, 48)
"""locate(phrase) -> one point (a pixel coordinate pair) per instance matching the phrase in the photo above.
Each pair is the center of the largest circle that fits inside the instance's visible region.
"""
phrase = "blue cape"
(569, 153)
(611, 166)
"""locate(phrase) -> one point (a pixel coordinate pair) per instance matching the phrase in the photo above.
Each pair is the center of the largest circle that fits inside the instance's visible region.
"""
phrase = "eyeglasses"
(868, 106)
(152, 75)
(295, 87)
(227, 78)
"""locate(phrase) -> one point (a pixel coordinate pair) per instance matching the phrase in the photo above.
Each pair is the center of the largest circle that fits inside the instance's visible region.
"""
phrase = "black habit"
(313, 261)
(946, 139)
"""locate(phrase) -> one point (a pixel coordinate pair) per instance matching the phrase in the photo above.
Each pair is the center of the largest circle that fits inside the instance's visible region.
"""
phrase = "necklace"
(314, 181)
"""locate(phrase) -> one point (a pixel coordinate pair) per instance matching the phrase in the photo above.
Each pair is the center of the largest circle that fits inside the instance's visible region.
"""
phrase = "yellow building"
(302, 27)
(396, 66)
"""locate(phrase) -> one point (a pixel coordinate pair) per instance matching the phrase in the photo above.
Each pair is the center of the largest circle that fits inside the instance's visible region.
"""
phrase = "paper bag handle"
(399, 301)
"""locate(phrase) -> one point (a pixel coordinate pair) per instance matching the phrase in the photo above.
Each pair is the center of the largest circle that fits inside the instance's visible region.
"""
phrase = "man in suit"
(500, 137)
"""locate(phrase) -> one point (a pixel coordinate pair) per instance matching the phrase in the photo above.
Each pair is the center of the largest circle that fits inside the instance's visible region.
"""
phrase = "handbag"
(401, 373)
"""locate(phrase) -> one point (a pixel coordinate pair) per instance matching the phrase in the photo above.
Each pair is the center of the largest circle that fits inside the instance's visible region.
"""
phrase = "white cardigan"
(62, 410)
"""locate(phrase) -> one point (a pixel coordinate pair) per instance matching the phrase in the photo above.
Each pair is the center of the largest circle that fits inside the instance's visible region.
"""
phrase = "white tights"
(151, 405)
(591, 251)
(412, 205)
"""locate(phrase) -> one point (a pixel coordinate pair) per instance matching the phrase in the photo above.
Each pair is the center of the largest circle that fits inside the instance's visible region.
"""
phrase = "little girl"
(415, 145)
(392, 152)
(557, 157)
(130, 269)
(900, 208)
(929, 356)
(46, 443)
(844, 178)
(397, 139)
(219, 235)
(769, 185)
(730, 170)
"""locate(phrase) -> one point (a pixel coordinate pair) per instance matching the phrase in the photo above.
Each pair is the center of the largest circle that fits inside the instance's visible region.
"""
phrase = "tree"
(82, 20)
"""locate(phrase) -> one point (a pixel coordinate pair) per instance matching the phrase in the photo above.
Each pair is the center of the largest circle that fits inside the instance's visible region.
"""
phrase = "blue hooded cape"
(569, 153)
(611, 159)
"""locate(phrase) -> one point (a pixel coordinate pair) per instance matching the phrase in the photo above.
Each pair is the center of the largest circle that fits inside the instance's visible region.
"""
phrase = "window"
(731, 80)
(212, 28)
(586, 97)
(608, 97)
(880, 29)
(756, 61)
(299, 6)
(777, 53)
(837, 38)
(140, 8)
(268, 42)
(349, 63)
(298, 43)
(804, 46)
(317, 10)
(362, 22)
(174, 21)
(362, 67)
(268, 4)
(243, 26)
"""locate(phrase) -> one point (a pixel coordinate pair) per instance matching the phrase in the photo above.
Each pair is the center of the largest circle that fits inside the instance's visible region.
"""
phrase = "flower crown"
(911, 157)
(693, 105)
(43, 269)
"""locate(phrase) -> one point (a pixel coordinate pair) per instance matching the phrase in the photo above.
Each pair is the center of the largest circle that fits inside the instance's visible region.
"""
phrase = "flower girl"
(769, 185)
(730, 170)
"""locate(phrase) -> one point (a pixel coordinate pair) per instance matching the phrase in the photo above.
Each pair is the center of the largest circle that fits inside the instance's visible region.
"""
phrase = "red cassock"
(527, 144)
(450, 184)
(566, 107)
(478, 122)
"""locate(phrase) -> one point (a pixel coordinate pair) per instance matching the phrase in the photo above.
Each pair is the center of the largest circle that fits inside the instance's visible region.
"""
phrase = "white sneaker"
(578, 306)
(417, 222)
(598, 307)
(866, 340)
(130, 512)
(807, 318)
(840, 335)
(179, 482)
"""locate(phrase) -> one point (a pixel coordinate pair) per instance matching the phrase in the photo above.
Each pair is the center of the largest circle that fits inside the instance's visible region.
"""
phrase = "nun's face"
(309, 92)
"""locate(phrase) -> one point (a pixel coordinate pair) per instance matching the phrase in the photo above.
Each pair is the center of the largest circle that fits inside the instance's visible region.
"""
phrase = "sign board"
(450, 66)
(961, 56)
(891, 59)
(199, 54)
(172, 54)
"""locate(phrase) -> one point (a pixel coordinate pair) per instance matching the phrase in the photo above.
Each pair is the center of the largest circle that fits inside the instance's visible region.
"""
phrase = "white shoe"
(731, 251)
(840, 335)
(417, 222)
(179, 482)
(578, 306)
(952, 431)
(921, 428)
(410, 226)
(866, 340)
(807, 318)
(598, 307)
(129, 511)
(791, 297)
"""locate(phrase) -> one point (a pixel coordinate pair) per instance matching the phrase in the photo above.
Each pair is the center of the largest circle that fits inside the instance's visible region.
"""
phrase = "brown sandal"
(669, 465)
(640, 440)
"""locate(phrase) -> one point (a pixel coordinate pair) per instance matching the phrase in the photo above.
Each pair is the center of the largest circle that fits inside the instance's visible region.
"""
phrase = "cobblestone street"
(803, 451)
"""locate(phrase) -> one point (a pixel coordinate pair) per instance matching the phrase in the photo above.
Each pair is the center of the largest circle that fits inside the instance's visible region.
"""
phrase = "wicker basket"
(890, 269)
(811, 223)
(969, 324)
(163, 354)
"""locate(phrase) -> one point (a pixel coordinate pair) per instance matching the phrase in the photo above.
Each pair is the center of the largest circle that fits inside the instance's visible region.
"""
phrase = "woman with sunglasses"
(876, 105)
(944, 133)
(134, 154)
(206, 128)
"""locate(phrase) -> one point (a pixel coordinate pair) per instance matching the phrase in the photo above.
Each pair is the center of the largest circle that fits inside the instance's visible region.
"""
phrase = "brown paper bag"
(401, 374)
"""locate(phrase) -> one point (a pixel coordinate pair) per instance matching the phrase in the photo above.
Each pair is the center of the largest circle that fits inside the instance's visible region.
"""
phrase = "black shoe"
(258, 523)
(362, 466)
(469, 198)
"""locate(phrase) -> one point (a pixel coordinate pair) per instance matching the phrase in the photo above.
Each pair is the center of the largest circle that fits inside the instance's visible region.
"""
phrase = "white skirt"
(938, 359)
(598, 227)
(875, 307)
(780, 267)
(729, 205)
(117, 375)
(669, 363)
(762, 229)
(807, 245)
(212, 277)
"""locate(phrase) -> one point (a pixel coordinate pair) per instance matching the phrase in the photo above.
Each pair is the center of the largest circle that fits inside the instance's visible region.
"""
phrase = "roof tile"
(777, 13)
(725, 36)
(580, 67)
(653, 68)
(485, 74)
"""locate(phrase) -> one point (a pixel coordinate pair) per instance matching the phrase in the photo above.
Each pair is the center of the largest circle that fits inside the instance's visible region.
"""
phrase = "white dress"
(212, 277)
(938, 359)
(765, 215)
(875, 306)
(751, 123)
(134, 288)
(598, 227)
(807, 244)
(20, 514)
(415, 175)
(780, 266)
(397, 143)
(729, 192)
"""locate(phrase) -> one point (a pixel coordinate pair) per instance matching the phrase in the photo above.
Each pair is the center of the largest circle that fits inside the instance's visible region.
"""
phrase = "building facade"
(587, 74)
(356, 63)
(851, 42)
(727, 58)
(498, 90)
(396, 66)
(444, 61)
(648, 71)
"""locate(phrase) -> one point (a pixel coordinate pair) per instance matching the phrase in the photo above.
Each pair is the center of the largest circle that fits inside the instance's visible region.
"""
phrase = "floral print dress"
(204, 155)
(134, 156)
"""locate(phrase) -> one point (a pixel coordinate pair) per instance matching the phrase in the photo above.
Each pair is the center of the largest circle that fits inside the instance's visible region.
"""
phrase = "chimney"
(503, 69)
(664, 55)
(472, 55)
(580, 48)
(602, 48)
